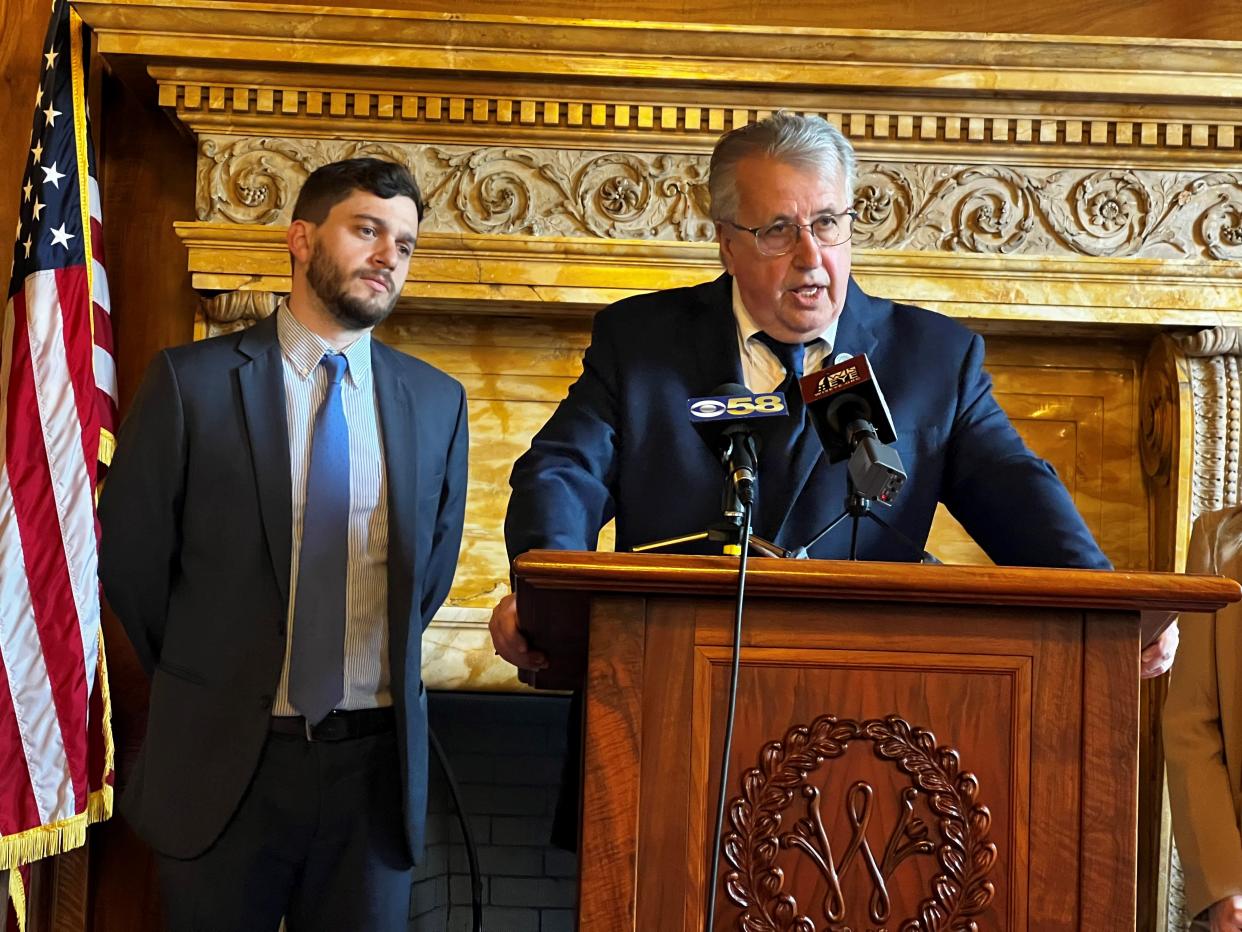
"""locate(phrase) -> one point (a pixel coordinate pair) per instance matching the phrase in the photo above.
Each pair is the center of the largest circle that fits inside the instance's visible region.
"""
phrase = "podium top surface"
(599, 572)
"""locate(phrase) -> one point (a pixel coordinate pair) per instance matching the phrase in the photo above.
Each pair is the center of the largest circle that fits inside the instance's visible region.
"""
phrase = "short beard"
(327, 280)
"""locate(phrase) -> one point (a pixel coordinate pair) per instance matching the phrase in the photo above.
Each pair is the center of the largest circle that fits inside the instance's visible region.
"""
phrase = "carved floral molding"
(508, 190)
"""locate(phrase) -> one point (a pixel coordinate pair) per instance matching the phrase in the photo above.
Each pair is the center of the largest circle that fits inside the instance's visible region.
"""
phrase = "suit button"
(265, 701)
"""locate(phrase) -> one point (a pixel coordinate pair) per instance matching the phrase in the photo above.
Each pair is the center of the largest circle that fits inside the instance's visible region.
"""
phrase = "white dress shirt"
(761, 370)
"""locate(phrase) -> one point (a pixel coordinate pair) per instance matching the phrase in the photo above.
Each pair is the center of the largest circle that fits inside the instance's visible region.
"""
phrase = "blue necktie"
(317, 657)
(791, 355)
(779, 444)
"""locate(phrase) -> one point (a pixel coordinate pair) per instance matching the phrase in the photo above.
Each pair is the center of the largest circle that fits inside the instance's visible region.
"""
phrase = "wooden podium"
(916, 747)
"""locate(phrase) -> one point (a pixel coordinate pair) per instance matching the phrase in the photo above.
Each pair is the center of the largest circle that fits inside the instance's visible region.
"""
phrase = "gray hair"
(804, 142)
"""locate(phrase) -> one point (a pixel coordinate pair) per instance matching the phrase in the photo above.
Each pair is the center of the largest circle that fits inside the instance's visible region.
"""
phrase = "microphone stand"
(857, 507)
(725, 533)
(729, 531)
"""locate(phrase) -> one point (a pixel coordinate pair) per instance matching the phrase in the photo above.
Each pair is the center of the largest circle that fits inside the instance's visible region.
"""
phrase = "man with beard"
(281, 520)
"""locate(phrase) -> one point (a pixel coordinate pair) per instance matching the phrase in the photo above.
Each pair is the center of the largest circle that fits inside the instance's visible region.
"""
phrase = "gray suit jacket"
(196, 518)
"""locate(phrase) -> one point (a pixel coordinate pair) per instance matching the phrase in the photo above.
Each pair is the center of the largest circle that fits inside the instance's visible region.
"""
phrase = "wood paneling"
(1038, 702)
(147, 180)
(20, 48)
(1160, 18)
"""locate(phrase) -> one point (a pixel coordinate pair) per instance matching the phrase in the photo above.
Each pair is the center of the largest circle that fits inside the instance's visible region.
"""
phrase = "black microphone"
(727, 421)
(849, 412)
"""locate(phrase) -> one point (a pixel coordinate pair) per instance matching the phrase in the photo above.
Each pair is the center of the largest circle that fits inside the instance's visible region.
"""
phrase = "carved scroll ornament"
(957, 893)
(495, 189)
(551, 192)
(1214, 359)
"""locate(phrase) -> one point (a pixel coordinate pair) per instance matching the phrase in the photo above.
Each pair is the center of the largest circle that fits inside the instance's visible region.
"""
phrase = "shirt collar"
(748, 328)
(303, 349)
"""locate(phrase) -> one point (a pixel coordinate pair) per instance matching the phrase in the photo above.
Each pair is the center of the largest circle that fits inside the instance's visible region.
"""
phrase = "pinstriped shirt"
(366, 586)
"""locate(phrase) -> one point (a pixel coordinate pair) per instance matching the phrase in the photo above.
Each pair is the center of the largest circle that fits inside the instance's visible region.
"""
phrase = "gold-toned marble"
(557, 276)
(1077, 407)
(453, 107)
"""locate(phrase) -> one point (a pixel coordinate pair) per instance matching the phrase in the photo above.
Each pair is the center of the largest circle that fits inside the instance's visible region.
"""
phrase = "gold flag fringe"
(17, 896)
(107, 446)
(57, 837)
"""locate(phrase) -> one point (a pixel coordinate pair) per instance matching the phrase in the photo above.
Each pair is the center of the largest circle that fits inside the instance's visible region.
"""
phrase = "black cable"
(728, 736)
(472, 851)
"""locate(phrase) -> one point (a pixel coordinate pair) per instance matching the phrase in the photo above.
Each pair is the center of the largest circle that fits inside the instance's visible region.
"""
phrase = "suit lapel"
(262, 386)
(713, 334)
(400, 437)
(809, 468)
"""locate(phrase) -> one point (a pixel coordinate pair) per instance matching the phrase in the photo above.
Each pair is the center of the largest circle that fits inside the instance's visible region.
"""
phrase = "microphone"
(728, 421)
(849, 412)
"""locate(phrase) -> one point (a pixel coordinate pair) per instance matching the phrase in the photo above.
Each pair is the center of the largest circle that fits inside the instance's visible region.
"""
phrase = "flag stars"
(51, 57)
(37, 151)
(60, 237)
(52, 175)
(27, 244)
(27, 188)
(51, 113)
(38, 209)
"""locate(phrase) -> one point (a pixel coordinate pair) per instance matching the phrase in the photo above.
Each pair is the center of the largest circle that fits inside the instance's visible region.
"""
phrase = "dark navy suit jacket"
(197, 516)
(621, 443)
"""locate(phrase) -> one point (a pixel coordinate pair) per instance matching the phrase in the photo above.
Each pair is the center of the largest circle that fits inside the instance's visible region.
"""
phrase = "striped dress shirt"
(366, 675)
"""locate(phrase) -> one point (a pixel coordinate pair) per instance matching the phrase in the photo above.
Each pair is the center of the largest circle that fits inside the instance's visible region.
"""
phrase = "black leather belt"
(340, 724)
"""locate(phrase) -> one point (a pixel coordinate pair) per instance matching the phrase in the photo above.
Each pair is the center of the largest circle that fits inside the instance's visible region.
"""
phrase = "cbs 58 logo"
(739, 406)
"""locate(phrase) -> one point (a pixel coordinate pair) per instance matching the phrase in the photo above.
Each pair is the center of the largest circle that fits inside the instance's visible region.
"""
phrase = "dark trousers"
(318, 839)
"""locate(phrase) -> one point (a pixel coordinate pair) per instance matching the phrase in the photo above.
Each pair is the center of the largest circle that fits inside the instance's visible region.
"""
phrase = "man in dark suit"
(280, 522)
(621, 445)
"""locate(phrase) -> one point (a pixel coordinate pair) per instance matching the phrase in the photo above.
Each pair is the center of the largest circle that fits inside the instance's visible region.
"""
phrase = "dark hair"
(330, 184)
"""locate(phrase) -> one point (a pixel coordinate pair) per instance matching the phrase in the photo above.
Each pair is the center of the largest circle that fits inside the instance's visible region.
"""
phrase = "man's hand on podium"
(1158, 657)
(508, 639)
(1226, 915)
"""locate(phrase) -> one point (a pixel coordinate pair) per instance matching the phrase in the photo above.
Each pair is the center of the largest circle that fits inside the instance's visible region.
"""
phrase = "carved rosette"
(960, 891)
(510, 190)
(1110, 211)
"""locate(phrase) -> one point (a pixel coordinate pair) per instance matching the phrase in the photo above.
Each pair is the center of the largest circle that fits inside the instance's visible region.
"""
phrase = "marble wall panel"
(1076, 406)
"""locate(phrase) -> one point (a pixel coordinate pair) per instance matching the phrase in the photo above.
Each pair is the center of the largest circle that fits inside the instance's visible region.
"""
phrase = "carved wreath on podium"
(959, 891)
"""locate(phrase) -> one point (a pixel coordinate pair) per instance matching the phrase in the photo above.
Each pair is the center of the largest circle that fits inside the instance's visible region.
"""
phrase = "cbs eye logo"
(708, 407)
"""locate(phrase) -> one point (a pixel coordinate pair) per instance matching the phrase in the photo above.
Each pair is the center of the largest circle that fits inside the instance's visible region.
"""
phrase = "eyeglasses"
(779, 238)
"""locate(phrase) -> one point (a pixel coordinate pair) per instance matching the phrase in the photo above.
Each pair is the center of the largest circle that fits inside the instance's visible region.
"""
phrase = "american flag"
(57, 410)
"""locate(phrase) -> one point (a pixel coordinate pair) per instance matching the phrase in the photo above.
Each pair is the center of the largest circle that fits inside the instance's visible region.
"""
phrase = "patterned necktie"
(317, 657)
(777, 454)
